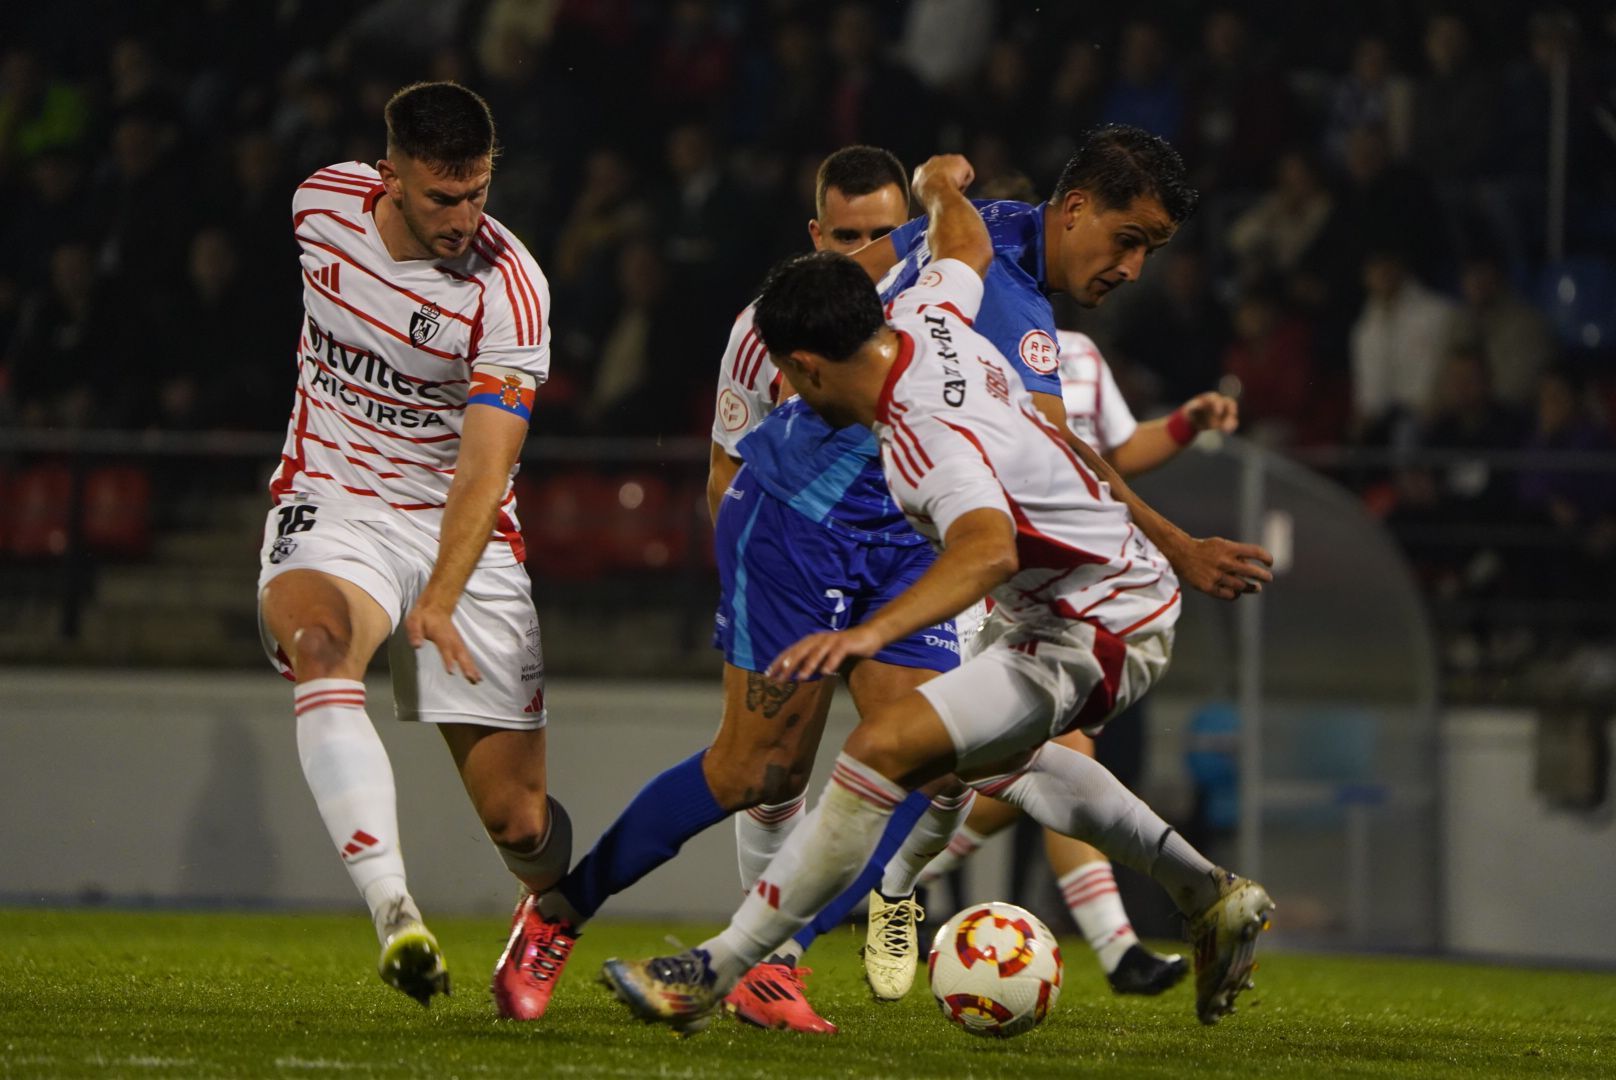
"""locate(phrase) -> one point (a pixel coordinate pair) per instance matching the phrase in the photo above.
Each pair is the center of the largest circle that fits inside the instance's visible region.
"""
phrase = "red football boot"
(533, 959)
(773, 996)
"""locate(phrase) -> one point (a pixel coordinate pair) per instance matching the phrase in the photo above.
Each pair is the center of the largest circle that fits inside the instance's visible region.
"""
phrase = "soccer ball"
(995, 970)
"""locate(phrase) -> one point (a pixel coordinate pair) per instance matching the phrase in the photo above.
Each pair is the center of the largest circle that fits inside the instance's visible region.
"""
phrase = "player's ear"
(390, 177)
(805, 367)
(1073, 204)
(815, 235)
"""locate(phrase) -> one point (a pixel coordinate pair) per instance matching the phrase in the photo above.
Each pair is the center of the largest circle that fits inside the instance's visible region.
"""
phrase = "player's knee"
(756, 777)
(881, 746)
(321, 649)
(515, 824)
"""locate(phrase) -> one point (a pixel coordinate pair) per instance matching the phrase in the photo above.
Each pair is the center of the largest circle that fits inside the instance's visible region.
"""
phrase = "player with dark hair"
(760, 759)
(1082, 626)
(1111, 208)
(425, 336)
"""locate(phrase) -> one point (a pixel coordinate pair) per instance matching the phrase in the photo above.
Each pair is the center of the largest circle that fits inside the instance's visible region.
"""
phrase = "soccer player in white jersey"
(1097, 412)
(424, 338)
(1082, 624)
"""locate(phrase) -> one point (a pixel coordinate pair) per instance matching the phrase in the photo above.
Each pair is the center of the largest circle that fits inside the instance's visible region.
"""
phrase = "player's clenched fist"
(1212, 411)
(951, 169)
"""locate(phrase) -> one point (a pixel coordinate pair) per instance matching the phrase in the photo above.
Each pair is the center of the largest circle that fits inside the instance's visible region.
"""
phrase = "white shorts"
(1021, 686)
(392, 562)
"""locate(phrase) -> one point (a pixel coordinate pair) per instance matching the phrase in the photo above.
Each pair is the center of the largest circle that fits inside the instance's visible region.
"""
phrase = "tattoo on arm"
(767, 696)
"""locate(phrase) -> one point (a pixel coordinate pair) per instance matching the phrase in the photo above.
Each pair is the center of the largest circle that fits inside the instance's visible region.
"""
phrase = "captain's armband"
(505, 388)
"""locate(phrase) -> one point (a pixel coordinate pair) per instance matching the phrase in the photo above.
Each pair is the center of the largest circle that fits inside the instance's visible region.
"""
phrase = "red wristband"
(1179, 428)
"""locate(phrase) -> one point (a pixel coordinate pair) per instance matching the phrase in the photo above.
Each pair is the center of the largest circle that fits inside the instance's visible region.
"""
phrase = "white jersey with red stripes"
(386, 355)
(1094, 406)
(749, 385)
(958, 433)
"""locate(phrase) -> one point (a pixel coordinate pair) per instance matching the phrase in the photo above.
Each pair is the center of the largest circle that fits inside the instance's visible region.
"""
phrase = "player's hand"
(1213, 411)
(951, 169)
(1223, 568)
(427, 623)
(823, 654)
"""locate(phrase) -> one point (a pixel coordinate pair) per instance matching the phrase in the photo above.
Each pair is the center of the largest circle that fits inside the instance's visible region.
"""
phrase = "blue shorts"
(783, 576)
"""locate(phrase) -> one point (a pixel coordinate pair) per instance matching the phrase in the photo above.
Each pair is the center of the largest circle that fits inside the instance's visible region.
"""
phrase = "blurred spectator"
(1238, 107)
(1373, 93)
(783, 96)
(66, 366)
(1387, 203)
(1580, 502)
(638, 379)
(37, 112)
(607, 212)
(1397, 344)
(311, 120)
(1514, 337)
(136, 79)
(1270, 368)
(1282, 230)
(693, 68)
(703, 223)
(1181, 331)
(1146, 91)
(870, 99)
(1074, 99)
(1000, 106)
(143, 208)
(945, 41)
(47, 210)
(1455, 114)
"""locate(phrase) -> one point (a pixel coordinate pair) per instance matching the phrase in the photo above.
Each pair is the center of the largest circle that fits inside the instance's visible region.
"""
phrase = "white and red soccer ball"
(995, 970)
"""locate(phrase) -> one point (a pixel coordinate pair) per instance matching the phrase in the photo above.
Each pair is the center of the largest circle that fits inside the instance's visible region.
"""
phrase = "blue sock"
(673, 807)
(898, 828)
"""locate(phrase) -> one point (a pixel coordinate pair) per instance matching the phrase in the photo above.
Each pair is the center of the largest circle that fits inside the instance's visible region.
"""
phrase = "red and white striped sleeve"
(514, 328)
(937, 471)
(749, 385)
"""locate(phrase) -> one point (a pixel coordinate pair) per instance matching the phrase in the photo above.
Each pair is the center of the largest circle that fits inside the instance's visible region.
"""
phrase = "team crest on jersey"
(282, 549)
(930, 279)
(732, 411)
(1038, 351)
(424, 324)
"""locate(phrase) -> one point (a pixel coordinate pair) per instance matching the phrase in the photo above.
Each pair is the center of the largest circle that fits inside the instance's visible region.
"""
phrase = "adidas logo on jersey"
(330, 276)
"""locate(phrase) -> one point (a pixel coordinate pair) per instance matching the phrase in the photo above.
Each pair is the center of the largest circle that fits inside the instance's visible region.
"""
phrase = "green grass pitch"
(107, 993)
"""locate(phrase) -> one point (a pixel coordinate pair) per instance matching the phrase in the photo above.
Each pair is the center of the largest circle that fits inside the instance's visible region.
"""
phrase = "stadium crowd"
(1369, 268)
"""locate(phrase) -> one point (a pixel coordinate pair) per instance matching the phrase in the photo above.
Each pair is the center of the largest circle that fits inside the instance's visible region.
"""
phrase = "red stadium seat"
(649, 525)
(117, 511)
(40, 508)
(566, 524)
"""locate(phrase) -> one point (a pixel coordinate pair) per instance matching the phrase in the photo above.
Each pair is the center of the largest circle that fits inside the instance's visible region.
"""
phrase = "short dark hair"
(442, 124)
(859, 170)
(822, 303)
(1117, 164)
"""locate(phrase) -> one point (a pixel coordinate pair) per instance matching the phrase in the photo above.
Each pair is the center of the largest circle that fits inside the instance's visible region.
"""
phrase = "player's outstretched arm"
(954, 228)
(979, 554)
(1156, 442)
(490, 441)
(1222, 568)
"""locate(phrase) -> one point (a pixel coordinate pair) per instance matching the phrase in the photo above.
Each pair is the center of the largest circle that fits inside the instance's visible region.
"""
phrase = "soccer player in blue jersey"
(809, 539)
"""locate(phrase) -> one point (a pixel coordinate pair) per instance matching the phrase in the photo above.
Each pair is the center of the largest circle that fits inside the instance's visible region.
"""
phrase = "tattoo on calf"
(767, 696)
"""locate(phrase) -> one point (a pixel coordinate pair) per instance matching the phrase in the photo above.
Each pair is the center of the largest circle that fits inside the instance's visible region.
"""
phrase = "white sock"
(926, 841)
(815, 865)
(759, 833)
(1091, 896)
(961, 847)
(348, 772)
(1078, 797)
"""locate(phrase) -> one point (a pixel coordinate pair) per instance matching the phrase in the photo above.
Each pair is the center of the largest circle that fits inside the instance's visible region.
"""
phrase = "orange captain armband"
(503, 388)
